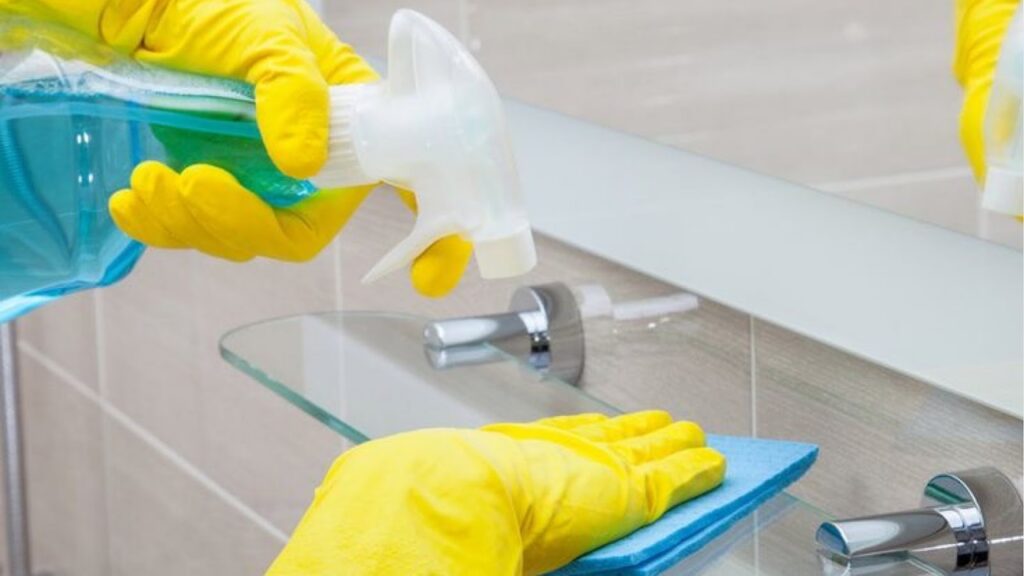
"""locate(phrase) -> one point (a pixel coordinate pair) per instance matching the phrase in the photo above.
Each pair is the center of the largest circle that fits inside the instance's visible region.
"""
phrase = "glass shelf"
(367, 375)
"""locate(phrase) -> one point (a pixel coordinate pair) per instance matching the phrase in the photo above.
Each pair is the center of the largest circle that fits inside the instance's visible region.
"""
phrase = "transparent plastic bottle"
(75, 119)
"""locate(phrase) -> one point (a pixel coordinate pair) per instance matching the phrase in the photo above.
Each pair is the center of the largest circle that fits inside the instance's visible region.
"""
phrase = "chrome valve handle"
(970, 524)
(543, 328)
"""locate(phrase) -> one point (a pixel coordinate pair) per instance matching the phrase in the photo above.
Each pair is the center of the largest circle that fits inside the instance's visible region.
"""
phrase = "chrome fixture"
(543, 327)
(970, 523)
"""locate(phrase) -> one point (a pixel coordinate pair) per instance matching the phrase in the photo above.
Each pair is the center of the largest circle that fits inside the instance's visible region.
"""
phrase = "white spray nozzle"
(435, 126)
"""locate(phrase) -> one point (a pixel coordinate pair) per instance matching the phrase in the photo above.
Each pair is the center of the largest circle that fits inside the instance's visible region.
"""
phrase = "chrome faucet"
(970, 524)
(543, 327)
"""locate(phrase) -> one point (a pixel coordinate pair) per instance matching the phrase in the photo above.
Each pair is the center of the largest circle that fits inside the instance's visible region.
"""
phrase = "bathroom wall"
(150, 455)
(853, 98)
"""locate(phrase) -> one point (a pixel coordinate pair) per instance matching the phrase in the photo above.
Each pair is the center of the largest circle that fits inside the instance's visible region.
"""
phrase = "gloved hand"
(290, 56)
(980, 29)
(507, 499)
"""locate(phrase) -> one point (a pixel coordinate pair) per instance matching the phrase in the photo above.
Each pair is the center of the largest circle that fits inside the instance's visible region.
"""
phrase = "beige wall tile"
(3, 531)
(149, 327)
(233, 295)
(66, 331)
(161, 329)
(383, 221)
(803, 90)
(696, 365)
(882, 435)
(66, 477)
(799, 89)
(262, 449)
(268, 453)
(364, 25)
(165, 523)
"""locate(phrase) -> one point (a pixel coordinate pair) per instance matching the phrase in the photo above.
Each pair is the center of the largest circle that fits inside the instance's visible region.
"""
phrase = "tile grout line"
(338, 301)
(914, 177)
(153, 442)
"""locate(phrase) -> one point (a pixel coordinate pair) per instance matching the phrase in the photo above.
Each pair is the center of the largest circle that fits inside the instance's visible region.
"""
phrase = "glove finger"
(160, 189)
(625, 426)
(291, 104)
(242, 219)
(680, 477)
(264, 43)
(134, 218)
(337, 61)
(439, 268)
(981, 28)
(571, 421)
(291, 111)
(972, 118)
(661, 443)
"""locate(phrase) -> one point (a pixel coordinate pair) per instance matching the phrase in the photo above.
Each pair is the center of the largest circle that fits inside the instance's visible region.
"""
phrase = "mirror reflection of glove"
(505, 499)
(980, 28)
(290, 56)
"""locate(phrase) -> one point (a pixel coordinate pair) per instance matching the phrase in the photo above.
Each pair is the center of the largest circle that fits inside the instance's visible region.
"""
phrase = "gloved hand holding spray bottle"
(78, 116)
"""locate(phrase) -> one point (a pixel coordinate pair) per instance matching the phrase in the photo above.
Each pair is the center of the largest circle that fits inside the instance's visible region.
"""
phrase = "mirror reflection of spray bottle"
(1004, 174)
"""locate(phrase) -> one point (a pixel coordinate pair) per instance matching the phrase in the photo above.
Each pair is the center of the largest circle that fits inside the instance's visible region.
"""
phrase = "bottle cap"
(343, 168)
(506, 256)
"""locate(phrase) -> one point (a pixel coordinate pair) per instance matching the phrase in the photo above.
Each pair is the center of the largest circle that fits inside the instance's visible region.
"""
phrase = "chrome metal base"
(542, 328)
(971, 524)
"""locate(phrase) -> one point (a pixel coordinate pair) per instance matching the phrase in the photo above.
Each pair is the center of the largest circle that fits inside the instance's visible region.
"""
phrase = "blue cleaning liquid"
(70, 135)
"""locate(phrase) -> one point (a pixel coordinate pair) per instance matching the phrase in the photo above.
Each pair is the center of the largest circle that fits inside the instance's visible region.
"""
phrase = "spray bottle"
(436, 126)
(77, 117)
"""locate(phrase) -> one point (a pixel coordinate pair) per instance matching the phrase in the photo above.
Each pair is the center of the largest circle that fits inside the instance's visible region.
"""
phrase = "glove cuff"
(343, 167)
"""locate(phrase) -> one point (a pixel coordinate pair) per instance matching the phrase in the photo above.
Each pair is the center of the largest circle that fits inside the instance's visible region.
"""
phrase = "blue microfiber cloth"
(756, 470)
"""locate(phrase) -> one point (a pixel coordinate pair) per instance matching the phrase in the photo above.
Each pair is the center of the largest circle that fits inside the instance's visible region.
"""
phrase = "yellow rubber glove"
(290, 56)
(980, 28)
(507, 499)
